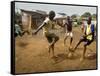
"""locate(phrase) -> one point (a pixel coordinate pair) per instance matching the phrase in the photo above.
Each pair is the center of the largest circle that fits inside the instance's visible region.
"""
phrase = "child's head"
(68, 18)
(89, 20)
(51, 15)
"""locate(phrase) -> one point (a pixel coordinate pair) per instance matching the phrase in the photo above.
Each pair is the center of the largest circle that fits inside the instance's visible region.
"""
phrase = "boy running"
(47, 31)
(87, 38)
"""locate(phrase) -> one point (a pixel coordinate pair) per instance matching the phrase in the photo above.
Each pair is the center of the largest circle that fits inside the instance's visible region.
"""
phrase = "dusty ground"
(32, 54)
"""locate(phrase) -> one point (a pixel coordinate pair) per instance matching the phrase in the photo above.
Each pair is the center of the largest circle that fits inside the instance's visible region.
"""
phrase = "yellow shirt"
(88, 31)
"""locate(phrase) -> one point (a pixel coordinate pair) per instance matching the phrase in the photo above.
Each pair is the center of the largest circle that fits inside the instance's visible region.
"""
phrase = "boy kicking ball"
(87, 38)
(47, 31)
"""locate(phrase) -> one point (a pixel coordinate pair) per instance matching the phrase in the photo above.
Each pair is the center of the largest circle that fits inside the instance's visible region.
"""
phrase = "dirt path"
(32, 55)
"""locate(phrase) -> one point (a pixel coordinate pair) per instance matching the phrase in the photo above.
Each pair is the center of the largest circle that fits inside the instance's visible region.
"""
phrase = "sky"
(68, 9)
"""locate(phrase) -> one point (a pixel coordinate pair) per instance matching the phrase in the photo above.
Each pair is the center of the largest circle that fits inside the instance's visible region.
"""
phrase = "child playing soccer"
(68, 26)
(88, 37)
(18, 31)
(47, 31)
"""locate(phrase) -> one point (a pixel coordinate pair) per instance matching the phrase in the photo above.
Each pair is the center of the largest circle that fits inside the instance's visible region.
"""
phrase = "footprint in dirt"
(59, 58)
(55, 59)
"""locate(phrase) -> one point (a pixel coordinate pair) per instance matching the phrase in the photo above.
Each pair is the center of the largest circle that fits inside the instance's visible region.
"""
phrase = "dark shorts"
(86, 41)
(51, 36)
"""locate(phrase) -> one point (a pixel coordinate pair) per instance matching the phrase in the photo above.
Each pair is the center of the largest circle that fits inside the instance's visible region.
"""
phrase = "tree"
(74, 16)
(86, 14)
(63, 14)
(93, 16)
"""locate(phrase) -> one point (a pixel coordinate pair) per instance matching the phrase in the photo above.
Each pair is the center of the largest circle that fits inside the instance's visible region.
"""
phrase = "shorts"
(70, 34)
(51, 36)
(86, 41)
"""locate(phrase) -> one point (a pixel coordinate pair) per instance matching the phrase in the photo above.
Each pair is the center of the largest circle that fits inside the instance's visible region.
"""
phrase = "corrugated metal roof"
(34, 11)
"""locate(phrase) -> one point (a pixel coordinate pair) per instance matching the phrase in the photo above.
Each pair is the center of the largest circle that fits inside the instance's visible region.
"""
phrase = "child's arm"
(39, 28)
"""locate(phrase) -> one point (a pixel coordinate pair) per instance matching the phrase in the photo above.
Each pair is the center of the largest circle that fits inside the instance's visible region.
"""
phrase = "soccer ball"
(70, 55)
(71, 49)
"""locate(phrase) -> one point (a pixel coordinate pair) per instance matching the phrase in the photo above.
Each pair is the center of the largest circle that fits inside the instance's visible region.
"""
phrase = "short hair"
(89, 20)
(52, 14)
(68, 17)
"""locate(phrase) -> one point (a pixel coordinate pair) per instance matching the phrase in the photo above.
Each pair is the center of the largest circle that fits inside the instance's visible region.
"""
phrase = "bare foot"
(82, 59)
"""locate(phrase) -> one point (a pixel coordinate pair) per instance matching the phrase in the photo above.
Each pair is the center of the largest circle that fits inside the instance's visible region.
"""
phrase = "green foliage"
(86, 14)
(79, 22)
(74, 16)
(94, 16)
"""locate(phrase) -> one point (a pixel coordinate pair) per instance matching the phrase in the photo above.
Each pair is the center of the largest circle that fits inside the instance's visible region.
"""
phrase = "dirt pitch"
(31, 54)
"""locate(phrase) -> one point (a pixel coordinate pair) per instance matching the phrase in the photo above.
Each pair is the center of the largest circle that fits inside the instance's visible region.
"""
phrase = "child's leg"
(28, 32)
(81, 40)
(71, 41)
(51, 46)
(49, 49)
(23, 33)
(54, 40)
(71, 35)
(84, 51)
(52, 49)
(16, 34)
(20, 33)
(66, 36)
(65, 39)
(85, 47)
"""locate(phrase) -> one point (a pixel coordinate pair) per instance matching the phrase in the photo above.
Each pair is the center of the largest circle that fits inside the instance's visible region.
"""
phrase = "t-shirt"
(90, 29)
(68, 26)
(48, 27)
